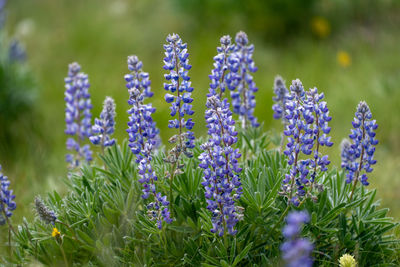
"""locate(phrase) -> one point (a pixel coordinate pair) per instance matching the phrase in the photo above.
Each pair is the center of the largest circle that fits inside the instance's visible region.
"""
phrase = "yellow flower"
(343, 58)
(347, 260)
(320, 27)
(55, 232)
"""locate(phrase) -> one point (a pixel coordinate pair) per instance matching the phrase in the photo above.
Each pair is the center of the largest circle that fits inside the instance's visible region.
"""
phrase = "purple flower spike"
(221, 67)
(178, 85)
(77, 115)
(296, 251)
(321, 129)
(240, 81)
(103, 127)
(358, 155)
(143, 139)
(221, 169)
(280, 99)
(300, 140)
(7, 203)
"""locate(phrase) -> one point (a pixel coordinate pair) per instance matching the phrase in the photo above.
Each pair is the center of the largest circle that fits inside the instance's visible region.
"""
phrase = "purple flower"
(221, 168)
(240, 81)
(296, 251)
(358, 156)
(143, 138)
(103, 127)
(280, 99)
(319, 109)
(221, 67)
(77, 114)
(7, 203)
(300, 140)
(178, 85)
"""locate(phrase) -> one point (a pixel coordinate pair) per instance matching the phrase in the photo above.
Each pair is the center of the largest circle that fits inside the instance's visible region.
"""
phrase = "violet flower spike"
(240, 81)
(280, 99)
(296, 251)
(321, 130)
(300, 139)
(143, 139)
(7, 203)
(178, 84)
(104, 126)
(221, 67)
(358, 156)
(221, 169)
(77, 115)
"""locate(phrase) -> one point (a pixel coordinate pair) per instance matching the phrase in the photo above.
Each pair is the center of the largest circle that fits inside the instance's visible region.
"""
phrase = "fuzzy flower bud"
(347, 260)
(103, 127)
(45, 214)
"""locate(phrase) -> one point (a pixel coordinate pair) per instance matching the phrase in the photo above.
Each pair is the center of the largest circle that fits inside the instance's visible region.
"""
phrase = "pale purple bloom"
(221, 168)
(77, 114)
(7, 203)
(104, 126)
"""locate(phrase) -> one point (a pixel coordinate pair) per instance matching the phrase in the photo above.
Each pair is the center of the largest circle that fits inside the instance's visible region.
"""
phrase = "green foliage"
(104, 222)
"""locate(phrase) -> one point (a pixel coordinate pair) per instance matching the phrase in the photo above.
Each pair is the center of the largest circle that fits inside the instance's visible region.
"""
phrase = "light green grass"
(99, 38)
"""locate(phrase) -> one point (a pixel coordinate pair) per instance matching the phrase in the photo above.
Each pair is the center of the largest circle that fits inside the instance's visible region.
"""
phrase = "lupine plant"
(358, 156)
(223, 209)
(77, 115)
(142, 138)
(103, 127)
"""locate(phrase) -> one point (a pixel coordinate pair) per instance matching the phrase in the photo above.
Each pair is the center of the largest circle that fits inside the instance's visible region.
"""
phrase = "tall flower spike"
(45, 214)
(240, 81)
(77, 115)
(103, 127)
(280, 99)
(359, 155)
(176, 61)
(221, 169)
(143, 138)
(300, 139)
(321, 117)
(7, 203)
(296, 250)
(217, 76)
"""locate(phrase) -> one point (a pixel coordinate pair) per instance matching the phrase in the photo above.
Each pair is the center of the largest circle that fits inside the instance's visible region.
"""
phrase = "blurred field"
(100, 34)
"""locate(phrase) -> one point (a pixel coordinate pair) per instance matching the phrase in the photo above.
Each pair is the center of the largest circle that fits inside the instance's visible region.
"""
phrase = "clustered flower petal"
(307, 130)
(296, 250)
(143, 139)
(300, 139)
(77, 114)
(7, 203)
(359, 154)
(280, 99)
(240, 80)
(320, 129)
(178, 84)
(45, 214)
(103, 127)
(221, 67)
(221, 169)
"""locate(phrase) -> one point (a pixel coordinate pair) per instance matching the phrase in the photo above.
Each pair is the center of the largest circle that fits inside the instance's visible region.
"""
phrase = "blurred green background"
(348, 49)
